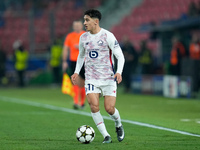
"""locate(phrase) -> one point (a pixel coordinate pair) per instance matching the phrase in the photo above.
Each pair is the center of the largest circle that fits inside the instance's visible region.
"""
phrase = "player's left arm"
(120, 57)
(117, 52)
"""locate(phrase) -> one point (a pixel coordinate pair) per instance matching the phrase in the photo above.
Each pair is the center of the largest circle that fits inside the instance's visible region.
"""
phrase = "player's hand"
(74, 78)
(64, 66)
(118, 77)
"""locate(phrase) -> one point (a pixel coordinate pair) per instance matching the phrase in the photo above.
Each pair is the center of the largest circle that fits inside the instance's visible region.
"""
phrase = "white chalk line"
(191, 120)
(47, 106)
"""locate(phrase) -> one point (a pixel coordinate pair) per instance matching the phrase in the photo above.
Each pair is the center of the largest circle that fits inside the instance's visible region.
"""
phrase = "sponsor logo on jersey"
(100, 43)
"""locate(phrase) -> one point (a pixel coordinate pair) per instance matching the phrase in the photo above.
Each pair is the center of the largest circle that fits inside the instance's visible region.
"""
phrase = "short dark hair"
(93, 13)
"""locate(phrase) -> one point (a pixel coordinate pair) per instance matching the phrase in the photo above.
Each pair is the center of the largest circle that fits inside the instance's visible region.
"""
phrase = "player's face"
(89, 23)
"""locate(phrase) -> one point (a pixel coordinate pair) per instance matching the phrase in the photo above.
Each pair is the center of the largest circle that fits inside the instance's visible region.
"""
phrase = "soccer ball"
(85, 134)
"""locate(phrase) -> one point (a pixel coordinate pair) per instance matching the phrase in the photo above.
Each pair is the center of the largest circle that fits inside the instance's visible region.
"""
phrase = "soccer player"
(70, 49)
(96, 49)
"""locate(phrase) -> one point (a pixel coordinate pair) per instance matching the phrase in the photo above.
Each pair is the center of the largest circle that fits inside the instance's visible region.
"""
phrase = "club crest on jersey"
(100, 42)
(86, 43)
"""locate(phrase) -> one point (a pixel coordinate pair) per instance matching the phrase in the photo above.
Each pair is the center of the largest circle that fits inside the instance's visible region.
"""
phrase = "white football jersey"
(97, 51)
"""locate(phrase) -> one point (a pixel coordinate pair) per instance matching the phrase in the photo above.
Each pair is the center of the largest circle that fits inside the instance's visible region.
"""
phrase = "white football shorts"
(104, 90)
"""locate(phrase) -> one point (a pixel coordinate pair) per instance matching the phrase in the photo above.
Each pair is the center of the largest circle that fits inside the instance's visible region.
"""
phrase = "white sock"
(116, 118)
(98, 119)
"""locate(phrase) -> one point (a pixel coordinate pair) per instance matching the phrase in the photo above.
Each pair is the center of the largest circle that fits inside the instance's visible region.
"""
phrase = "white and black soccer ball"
(85, 134)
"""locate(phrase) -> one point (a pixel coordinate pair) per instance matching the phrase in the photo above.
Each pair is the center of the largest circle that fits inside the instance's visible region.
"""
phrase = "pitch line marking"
(189, 120)
(185, 120)
(47, 106)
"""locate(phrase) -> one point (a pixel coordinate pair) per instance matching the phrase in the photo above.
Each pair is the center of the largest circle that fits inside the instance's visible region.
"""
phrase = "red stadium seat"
(17, 24)
(148, 11)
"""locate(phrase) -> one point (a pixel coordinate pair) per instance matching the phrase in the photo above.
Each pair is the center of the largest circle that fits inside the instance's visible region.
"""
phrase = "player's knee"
(110, 110)
(94, 108)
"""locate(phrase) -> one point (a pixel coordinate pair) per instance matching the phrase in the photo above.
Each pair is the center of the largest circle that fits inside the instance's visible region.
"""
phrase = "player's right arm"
(81, 57)
(79, 62)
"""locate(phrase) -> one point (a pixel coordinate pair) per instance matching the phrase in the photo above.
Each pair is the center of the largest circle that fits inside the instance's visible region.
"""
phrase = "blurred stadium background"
(38, 23)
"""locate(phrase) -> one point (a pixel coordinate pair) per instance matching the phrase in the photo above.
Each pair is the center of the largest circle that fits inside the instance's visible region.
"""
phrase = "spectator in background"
(2, 64)
(154, 33)
(194, 49)
(192, 10)
(71, 50)
(145, 58)
(55, 60)
(198, 7)
(131, 59)
(20, 60)
(177, 53)
(194, 55)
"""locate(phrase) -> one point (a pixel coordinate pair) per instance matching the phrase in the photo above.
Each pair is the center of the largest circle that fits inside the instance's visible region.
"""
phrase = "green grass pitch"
(42, 118)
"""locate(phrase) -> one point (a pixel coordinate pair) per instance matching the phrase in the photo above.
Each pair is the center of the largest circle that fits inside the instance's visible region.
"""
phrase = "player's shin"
(98, 119)
(116, 118)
